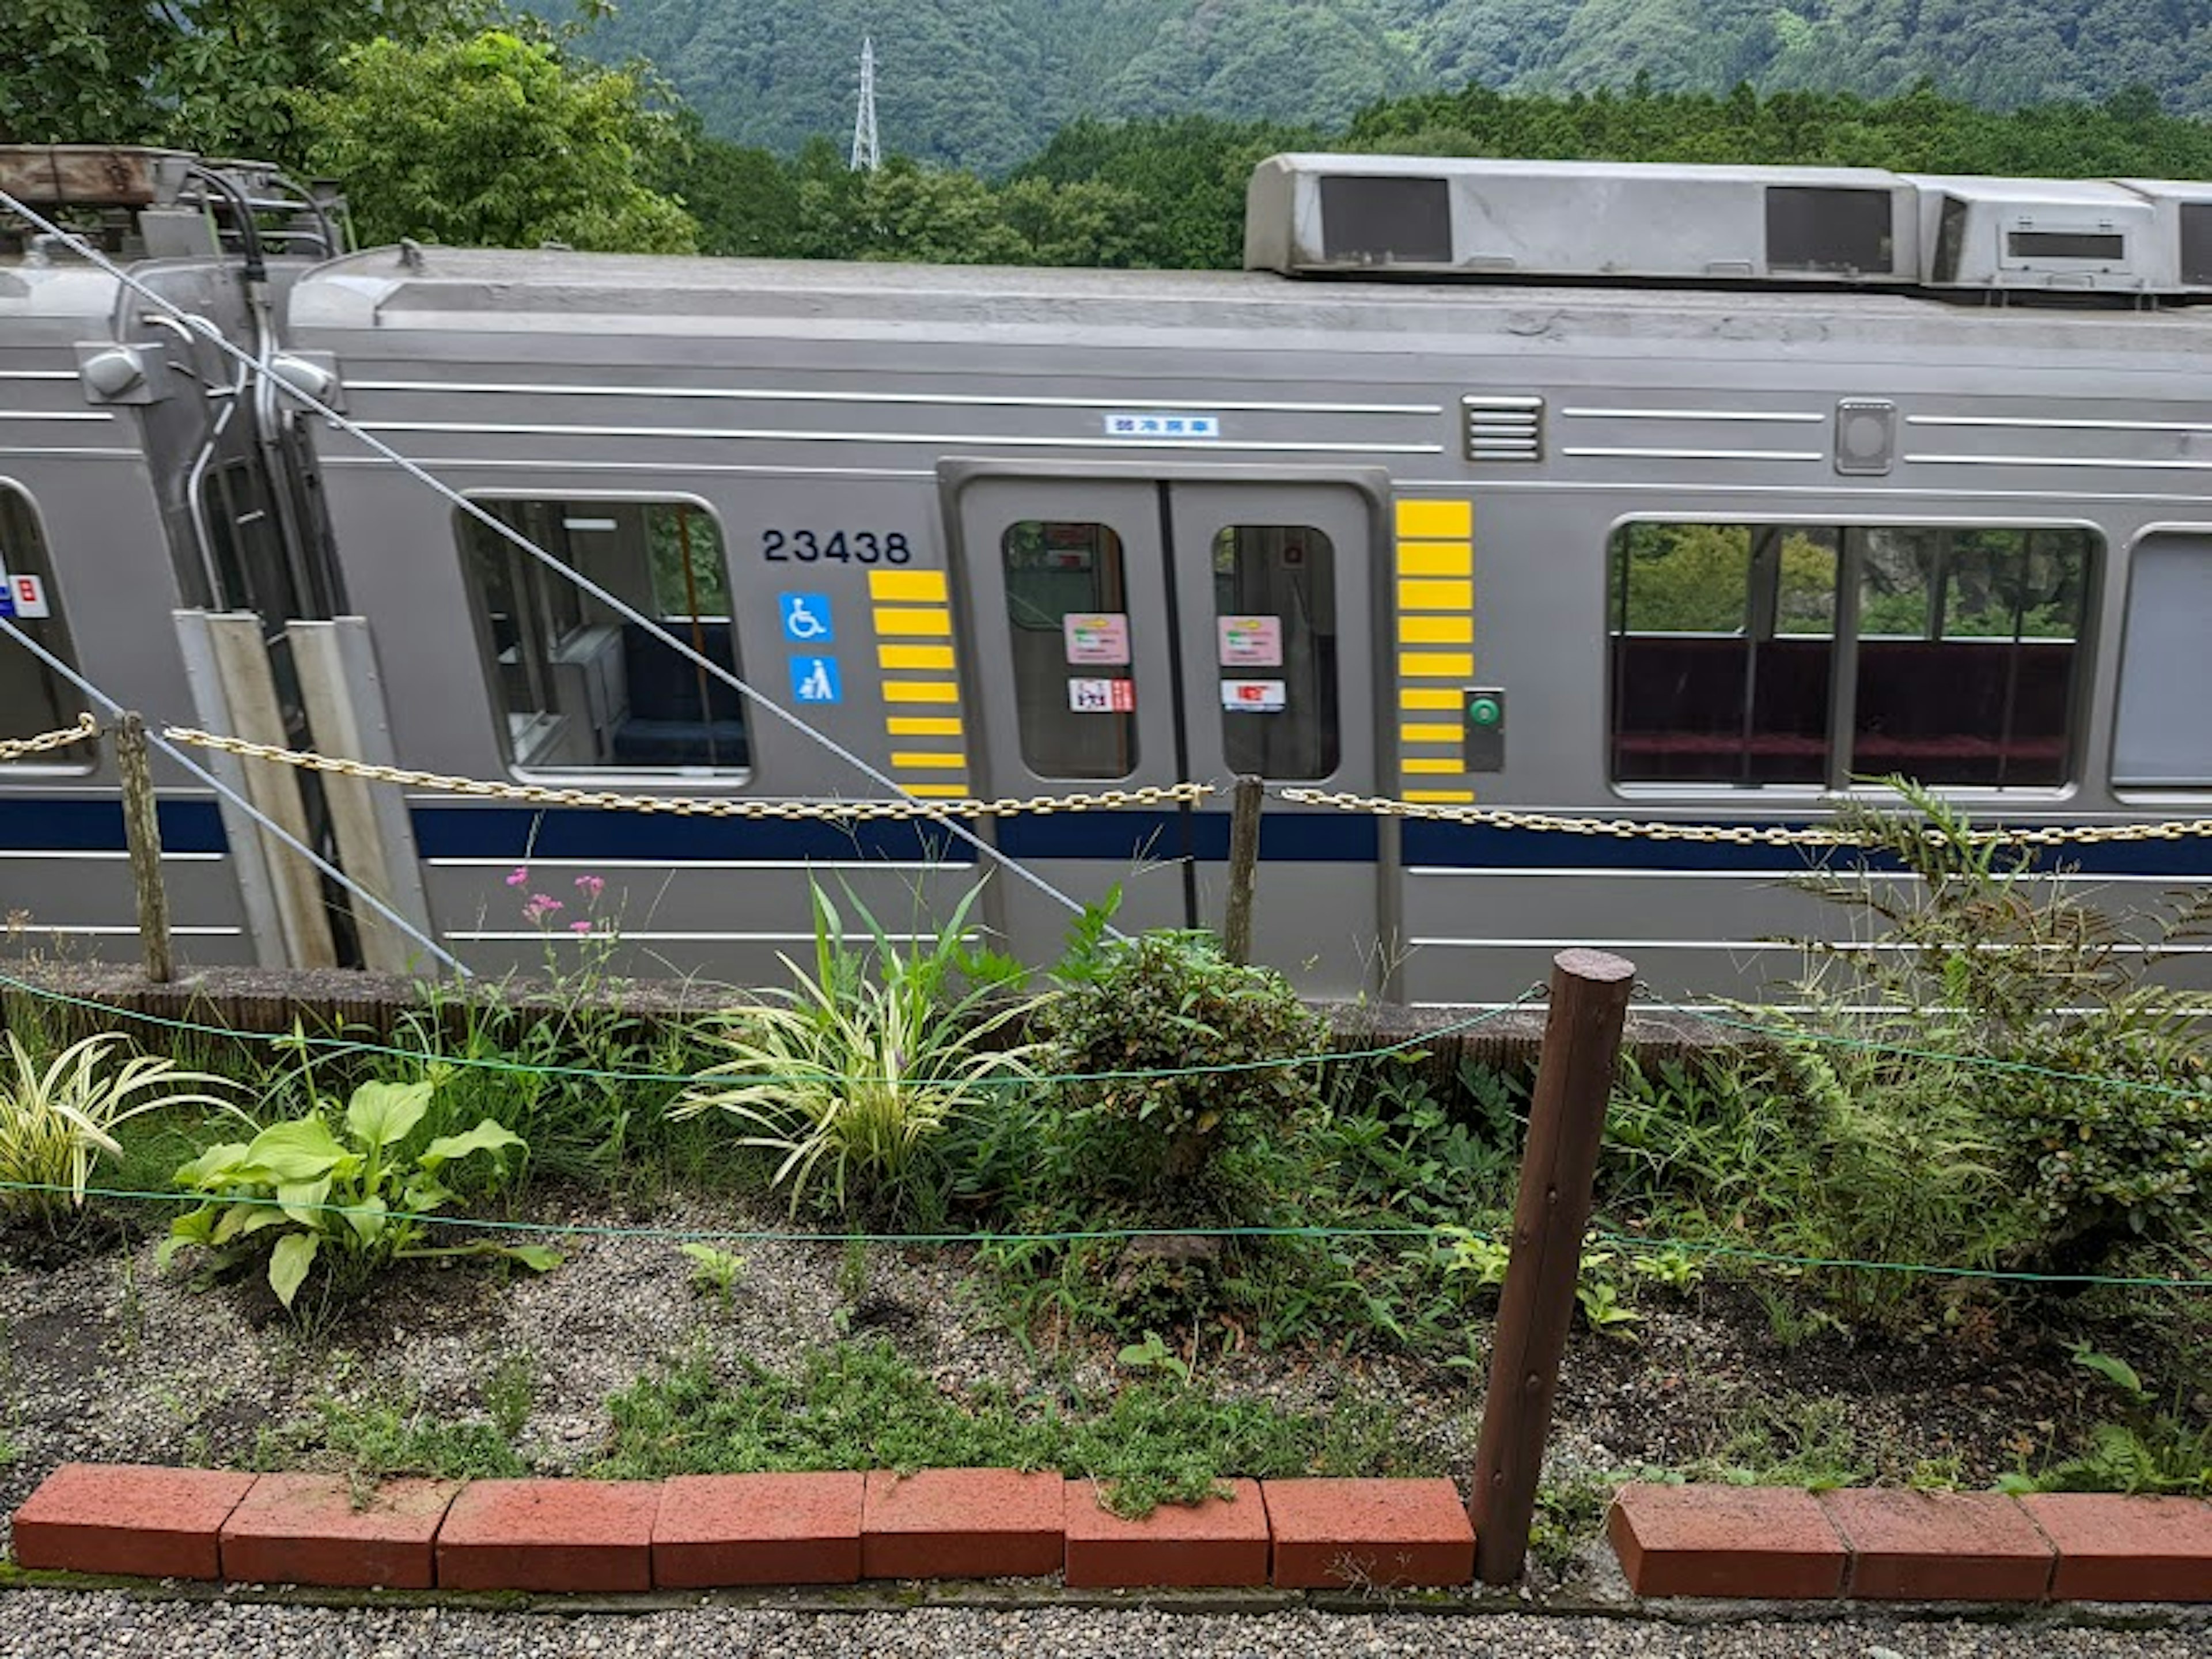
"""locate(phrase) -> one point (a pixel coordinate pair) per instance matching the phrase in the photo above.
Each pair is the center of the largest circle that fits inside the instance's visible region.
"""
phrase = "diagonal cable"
(206, 330)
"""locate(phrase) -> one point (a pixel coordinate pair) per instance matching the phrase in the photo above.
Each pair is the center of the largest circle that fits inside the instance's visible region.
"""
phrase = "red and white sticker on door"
(23, 596)
(1101, 696)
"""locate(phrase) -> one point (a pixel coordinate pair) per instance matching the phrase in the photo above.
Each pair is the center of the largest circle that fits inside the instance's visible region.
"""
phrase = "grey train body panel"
(1032, 533)
(778, 396)
(103, 485)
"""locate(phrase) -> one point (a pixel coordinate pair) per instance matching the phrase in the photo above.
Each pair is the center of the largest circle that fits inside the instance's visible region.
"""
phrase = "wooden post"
(1566, 1122)
(142, 830)
(1244, 868)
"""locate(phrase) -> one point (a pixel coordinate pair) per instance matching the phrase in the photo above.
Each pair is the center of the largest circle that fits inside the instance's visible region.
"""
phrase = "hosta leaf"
(289, 1263)
(303, 1201)
(486, 1137)
(303, 1150)
(196, 1228)
(367, 1218)
(214, 1167)
(382, 1113)
(421, 1196)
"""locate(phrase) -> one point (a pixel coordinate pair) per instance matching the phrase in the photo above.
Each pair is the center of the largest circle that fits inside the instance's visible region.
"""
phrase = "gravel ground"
(105, 1357)
(40, 1625)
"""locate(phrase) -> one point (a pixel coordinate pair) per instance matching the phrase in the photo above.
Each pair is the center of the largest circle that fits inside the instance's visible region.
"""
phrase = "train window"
(1961, 660)
(1073, 723)
(578, 684)
(2165, 678)
(1967, 653)
(1723, 638)
(1274, 605)
(34, 699)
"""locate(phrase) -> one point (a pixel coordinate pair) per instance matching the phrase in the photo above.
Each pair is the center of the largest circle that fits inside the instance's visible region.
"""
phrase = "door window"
(34, 699)
(2165, 678)
(1068, 605)
(580, 686)
(1274, 617)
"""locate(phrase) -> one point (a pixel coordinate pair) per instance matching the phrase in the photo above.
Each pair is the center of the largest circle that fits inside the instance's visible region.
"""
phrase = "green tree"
(216, 75)
(494, 139)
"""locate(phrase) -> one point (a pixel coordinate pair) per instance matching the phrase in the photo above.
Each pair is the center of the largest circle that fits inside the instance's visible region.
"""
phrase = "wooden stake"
(1244, 868)
(1566, 1122)
(142, 830)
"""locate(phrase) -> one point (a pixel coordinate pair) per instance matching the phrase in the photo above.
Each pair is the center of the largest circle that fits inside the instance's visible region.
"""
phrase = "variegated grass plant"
(58, 1116)
(853, 1072)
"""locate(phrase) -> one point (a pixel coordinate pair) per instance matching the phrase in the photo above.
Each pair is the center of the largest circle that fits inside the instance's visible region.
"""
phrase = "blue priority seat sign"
(806, 618)
(814, 679)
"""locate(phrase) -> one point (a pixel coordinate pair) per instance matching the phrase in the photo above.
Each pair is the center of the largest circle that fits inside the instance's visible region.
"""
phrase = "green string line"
(1795, 1034)
(595, 1229)
(347, 1046)
(1776, 1258)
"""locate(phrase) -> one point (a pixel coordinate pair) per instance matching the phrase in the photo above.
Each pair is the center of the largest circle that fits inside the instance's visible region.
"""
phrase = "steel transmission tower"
(867, 155)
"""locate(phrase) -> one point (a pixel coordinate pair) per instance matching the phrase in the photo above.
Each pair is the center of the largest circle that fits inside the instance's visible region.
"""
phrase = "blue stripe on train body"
(1481, 847)
(30, 823)
(522, 833)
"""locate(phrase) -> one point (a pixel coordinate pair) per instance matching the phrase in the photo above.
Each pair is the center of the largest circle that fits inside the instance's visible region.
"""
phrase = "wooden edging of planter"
(1368, 1537)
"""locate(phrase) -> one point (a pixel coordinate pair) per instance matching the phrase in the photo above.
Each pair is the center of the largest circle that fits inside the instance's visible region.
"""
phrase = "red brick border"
(1907, 1546)
(706, 1531)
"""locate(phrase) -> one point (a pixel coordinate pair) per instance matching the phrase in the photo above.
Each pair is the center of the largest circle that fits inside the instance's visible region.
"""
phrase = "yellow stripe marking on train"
(926, 760)
(1436, 664)
(1436, 595)
(1427, 697)
(937, 791)
(926, 691)
(930, 726)
(1435, 559)
(1436, 521)
(915, 656)
(912, 585)
(1436, 630)
(1440, 796)
(1431, 734)
(1427, 763)
(931, 624)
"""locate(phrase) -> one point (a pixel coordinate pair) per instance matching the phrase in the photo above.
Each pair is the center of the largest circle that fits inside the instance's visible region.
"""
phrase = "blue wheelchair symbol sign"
(814, 679)
(807, 619)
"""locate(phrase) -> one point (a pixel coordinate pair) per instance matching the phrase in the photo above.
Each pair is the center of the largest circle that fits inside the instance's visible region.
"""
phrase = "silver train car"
(1681, 495)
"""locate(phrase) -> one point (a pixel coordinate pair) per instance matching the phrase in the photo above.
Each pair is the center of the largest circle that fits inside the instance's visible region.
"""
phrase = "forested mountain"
(983, 83)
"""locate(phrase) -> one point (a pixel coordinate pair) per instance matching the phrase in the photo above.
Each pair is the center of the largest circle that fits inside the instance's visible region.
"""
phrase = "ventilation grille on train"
(1503, 429)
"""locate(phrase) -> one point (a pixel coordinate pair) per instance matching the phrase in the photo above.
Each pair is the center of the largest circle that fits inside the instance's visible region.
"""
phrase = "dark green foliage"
(495, 140)
(216, 76)
(2034, 1042)
(981, 83)
(1183, 1055)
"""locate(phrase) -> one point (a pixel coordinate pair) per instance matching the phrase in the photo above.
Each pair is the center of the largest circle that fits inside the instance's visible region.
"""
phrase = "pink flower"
(541, 907)
(580, 926)
(592, 887)
(520, 877)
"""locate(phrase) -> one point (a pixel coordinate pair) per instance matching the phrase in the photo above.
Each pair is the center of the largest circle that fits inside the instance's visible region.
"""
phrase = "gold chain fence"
(87, 730)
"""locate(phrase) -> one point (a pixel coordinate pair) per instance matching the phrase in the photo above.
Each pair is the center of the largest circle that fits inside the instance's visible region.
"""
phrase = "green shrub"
(1172, 1056)
(2014, 1031)
(298, 1193)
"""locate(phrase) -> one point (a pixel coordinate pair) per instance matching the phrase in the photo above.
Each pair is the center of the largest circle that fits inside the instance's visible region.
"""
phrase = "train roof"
(491, 293)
